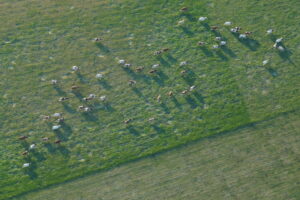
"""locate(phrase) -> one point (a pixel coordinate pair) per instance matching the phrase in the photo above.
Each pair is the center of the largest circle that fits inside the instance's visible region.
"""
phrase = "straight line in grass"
(249, 125)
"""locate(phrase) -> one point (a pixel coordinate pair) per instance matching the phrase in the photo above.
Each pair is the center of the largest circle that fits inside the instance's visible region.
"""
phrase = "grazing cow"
(248, 33)
(127, 121)
(170, 93)
(26, 165)
(281, 48)
(75, 68)
(131, 82)
(122, 62)
(270, 31)
(45, 117)
(228, 23)
(278, 40)
(86, 99)
(97, 39)
(99, 75)
(201, 43)
(63, 99)
(92, 96)
(57, 115)
(60, 120)
(223, 43)
(103, 98)
(265, 62)
(202, 19)
(57, 141)
(218, 38)
(32, 146)
(233, 30)
(183, 63)
(139, 69)
(45, 139)
(23, 137)
(165, 49)
(54, 82)
(80, 107)
(56, 127)
(157, 52)
(183, 72)
(158, 98)
(243, 36)
(214, 28)
(184, 92)
(192, 87)
(181, 22)
(215, 46)
(184, 9)
(155, 66)
(152, 71)
(87, 109)
(151, 119)
(127, 65)
(24, 153)
(74, 87)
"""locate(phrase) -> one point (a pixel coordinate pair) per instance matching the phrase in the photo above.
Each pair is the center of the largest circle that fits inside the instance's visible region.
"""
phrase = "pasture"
(42, 40)
(257, 162)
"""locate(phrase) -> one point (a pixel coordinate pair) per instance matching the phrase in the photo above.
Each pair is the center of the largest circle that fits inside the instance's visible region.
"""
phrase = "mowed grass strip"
(42, 40)
(256, 162)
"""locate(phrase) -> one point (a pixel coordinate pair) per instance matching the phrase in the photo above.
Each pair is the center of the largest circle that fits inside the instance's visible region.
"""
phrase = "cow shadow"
(193, 104)
(103, 48)
(132, 130)
(104, 84)
(158, 129)
(206, 51)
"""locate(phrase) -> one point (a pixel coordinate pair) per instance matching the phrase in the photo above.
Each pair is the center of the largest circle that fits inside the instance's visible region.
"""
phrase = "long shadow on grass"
(163, 61)
(191, 101)
(199, 97)
(38, 155)
(102, 47)
(78, 95)
(138, 92)
(89, 116)
(59, 91)
(50, 147)
(136, 76)
(104, 106)
(68, 108)
(206, 26)
(158, 129)
(252, 44)
(206, 51)
(132, 130)
(30, 171)
(221, 55)
(189, 17)
(104, 84)
(171, 59)
(190, 77)
(81, 77)
(160, 78)
(60, 135)
(175, 101)
(187, 31)
(165, 107)
(228, 51)
(273, 72)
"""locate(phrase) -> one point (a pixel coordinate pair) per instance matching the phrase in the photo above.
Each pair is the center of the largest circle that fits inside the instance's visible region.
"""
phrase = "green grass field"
(256, 162)
(42, 40)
